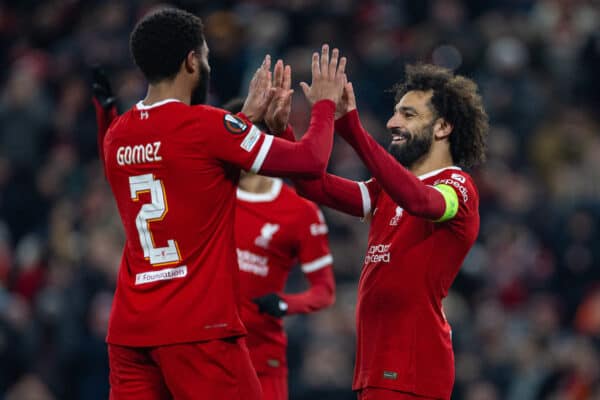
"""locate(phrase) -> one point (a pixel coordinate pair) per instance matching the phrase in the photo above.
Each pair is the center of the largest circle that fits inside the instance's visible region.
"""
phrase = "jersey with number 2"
(173, 170)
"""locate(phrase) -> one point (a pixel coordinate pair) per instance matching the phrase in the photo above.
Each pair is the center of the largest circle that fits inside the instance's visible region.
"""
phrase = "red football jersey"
(274, 231)
(404, 340)
(173, 170)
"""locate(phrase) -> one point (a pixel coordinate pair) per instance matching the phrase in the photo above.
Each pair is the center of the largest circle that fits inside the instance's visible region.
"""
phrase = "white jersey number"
(150, 212)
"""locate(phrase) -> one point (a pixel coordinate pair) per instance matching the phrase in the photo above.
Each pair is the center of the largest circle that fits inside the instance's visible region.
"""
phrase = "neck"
(168, 89)
(437, 158)
(255, 183)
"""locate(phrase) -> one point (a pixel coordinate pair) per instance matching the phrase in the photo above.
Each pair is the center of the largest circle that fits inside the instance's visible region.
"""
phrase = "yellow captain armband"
(451, 199)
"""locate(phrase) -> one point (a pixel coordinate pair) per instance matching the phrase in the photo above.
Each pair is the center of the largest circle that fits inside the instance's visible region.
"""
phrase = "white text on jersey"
(253, 263)
(463, 191)
(138, 154)
(378, 253)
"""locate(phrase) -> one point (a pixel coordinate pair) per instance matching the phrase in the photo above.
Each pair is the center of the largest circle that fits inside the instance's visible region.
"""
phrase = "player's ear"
(191, 62)
(442, 129)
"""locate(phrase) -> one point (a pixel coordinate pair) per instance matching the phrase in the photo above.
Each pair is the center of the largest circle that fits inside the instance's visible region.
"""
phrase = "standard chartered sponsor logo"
(253, 263)
(461, 189)
(378, 253)
(161, 275)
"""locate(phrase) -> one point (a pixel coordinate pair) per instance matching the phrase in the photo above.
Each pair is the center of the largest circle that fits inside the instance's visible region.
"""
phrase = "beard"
(200, 92)
(415, 147)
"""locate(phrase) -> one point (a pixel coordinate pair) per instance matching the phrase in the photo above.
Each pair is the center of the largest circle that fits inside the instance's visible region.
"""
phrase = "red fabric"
(309, 156)
(398, 182)
(216, 369)
(333, 191)
(274, 232)
(403, 339)
(329, 190)
(191, 173)
(274, 387)
(320, 294)
(192, 155)
(288, 134)
(373, 393)
(103, 120)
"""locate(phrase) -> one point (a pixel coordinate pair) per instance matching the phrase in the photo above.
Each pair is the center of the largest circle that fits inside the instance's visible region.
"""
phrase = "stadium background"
(526, 306)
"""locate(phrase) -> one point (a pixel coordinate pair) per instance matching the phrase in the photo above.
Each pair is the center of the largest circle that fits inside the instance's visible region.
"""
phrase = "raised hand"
(347, 101)
(328, 77)
(101, 88)
(259, 93)
(280, 107)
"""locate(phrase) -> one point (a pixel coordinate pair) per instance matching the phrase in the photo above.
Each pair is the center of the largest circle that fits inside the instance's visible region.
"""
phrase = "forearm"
(335, 192)
(321, 293)
(308, 157)
(399, 183)
(330, 190)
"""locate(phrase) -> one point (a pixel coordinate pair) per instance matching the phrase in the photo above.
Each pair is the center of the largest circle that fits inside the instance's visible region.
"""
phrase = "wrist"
(325, 104)
(342, 114)
(250, 115)
(348, 125)
(275, 128)
(245, 117)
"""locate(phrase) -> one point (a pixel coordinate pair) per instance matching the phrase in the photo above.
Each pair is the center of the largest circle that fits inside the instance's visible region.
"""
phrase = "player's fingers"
(255, 82)
(267, 62)
(349, 89)
(278, 74)
(288, 98)
(287, 78)
(316, 70)
(342, 66)
(325, 60)
(267, 85)
(305, 88)
(333, 64)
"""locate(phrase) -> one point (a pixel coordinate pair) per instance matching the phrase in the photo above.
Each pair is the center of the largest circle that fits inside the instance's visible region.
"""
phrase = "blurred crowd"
(525, 308)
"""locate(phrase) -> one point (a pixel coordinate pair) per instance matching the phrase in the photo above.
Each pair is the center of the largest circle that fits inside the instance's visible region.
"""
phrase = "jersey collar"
(437, 171)
(261, 197)
(141, 106)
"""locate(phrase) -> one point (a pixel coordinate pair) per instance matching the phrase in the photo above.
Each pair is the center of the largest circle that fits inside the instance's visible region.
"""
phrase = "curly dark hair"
(161, 40)
(455, 99)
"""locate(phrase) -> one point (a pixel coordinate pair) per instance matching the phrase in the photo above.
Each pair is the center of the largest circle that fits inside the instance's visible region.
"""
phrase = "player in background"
(173, 167)
(423, 210)
(274, 229)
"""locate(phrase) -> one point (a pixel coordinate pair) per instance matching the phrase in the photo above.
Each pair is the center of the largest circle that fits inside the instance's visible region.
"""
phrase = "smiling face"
(412, 127)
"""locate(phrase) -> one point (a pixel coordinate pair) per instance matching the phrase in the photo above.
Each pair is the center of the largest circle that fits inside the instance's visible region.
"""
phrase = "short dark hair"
(455, 99)
(161, 40)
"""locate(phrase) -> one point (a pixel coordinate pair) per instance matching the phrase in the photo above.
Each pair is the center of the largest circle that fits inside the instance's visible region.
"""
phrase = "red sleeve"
(399, 183)
(341, 194)
(307, 157)
(246, 146)
(103, 121)
(350, 197)
(316, 261)
(468, 199)
(232, 138)
(321, 293)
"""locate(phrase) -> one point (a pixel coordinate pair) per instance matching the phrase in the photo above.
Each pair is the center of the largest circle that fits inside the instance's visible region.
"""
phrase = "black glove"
(101, 88)
(271, 304)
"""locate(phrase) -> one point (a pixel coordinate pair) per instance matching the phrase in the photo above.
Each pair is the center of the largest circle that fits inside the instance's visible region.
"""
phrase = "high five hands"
(328, 77)
(270, 94)
(280, 107)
